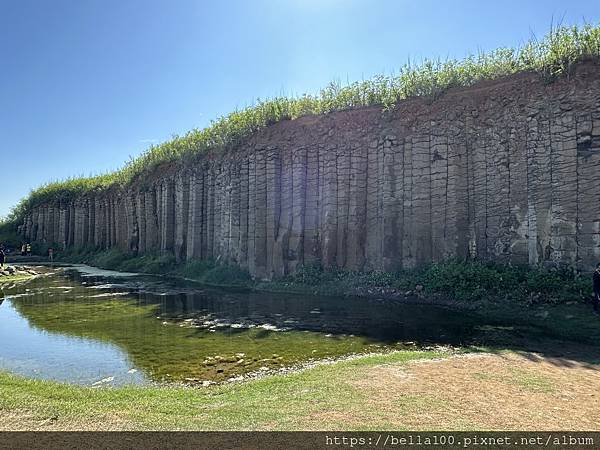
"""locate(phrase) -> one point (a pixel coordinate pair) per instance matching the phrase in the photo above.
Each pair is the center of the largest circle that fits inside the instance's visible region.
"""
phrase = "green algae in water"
(168, 350)
(174, 348)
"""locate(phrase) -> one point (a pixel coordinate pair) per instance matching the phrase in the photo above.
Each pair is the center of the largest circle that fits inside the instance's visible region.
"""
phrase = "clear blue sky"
(85, 84)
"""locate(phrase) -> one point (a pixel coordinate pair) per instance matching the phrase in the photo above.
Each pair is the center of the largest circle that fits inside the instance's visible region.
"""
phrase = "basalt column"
(504, 171)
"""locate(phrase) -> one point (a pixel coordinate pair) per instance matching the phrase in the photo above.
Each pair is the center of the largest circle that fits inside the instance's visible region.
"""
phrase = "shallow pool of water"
(104, 328)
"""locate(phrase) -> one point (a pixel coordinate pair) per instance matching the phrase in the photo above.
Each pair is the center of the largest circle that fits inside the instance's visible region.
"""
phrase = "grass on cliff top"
(551, 57)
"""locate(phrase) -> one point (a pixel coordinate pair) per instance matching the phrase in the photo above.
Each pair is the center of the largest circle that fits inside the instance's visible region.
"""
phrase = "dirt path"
(508, 391)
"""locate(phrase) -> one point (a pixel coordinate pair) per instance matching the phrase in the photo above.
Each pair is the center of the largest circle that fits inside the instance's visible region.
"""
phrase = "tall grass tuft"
(551, 57)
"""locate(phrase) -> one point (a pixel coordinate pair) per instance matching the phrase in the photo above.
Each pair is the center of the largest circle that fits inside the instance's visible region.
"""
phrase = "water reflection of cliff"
(380, 320)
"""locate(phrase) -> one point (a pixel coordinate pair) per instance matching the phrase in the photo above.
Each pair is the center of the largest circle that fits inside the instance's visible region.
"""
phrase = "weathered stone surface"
(504, 171)
(182, 204)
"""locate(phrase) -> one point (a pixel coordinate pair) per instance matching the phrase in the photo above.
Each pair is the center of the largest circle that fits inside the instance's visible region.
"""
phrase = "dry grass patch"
(524, 391)
(27, 421)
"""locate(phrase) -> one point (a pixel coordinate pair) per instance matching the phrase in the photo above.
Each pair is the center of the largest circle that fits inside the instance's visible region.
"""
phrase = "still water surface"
(91, 327)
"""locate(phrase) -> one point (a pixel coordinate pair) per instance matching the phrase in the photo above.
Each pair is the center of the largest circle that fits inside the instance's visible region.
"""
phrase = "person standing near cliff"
(2, 257)
(596, 279)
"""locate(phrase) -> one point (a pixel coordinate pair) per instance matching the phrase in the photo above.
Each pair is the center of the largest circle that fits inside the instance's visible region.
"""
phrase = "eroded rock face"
(506, 171)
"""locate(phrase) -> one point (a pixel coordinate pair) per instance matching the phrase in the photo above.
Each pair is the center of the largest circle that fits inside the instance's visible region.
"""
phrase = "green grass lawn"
(288, 402)
(496, 390)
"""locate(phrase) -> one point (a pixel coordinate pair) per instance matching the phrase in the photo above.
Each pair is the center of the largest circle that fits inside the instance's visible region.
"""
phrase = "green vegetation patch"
(460, 281)
(204, 271)
(14, 278)
(8, 234)
(531, 382)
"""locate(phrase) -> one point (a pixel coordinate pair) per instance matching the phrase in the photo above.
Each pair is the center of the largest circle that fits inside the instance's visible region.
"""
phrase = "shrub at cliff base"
(471, 282)
(205, 271)
(461, 281)
(8, 234)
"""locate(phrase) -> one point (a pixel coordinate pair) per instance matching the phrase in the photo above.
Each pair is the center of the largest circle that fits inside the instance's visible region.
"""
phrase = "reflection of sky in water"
(34, 353)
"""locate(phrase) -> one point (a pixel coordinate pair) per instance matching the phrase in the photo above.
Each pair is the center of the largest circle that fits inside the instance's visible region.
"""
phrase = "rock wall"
(506, 170)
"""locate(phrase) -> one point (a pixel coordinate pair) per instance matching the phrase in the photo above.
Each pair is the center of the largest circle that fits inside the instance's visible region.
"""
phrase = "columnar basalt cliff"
(507, 170)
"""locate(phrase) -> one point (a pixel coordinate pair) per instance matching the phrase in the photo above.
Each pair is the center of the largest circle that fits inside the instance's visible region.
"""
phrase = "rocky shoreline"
(16, 271)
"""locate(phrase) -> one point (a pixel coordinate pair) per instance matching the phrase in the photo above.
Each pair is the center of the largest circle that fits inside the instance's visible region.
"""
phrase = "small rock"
(103, 381)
